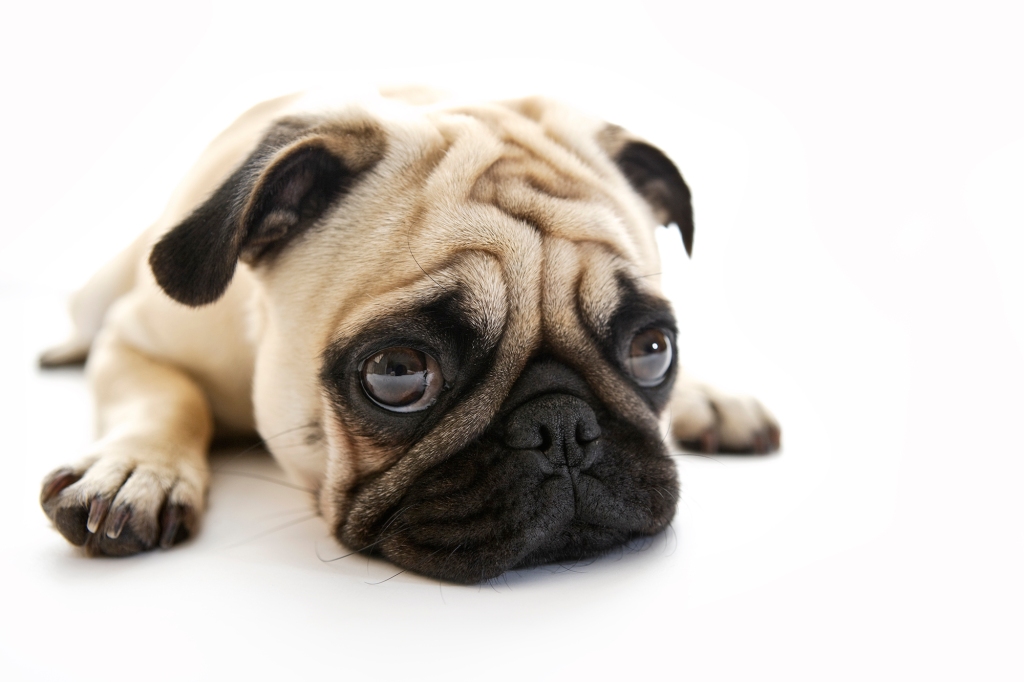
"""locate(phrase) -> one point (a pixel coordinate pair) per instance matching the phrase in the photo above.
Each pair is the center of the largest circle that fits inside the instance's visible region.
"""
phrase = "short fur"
(511, 241)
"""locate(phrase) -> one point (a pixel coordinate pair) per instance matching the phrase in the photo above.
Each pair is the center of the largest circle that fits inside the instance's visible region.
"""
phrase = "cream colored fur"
(166, 376)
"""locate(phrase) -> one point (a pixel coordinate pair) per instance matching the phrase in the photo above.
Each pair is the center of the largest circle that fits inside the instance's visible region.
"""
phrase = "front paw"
(706, 420)
(117, 506)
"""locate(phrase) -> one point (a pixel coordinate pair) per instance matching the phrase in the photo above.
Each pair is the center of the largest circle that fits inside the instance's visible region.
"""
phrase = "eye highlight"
(401, 379)
(650, 356)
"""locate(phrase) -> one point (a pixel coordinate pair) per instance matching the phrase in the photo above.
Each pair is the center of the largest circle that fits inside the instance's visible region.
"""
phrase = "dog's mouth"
(557, 481)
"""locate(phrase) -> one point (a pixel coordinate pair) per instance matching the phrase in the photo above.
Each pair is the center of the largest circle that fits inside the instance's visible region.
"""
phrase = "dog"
(443, 317)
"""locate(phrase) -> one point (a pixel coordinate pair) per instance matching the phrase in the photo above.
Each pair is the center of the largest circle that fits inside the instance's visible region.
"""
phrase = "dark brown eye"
(650, 356)
(401, 379)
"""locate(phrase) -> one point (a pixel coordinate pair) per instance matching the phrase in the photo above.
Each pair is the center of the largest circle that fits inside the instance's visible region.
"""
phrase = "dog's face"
(464, 302)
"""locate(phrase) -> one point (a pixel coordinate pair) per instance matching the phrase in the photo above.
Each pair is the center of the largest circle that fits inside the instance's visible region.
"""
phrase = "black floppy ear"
(291, 179)
(655, 178)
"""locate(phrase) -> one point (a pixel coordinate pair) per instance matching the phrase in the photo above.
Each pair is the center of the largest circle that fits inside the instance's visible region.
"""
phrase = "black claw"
(176, 521)
(56, 482)
(706, 442)
(117, 521)
(170, 522)
(709, 441)
(97, 512)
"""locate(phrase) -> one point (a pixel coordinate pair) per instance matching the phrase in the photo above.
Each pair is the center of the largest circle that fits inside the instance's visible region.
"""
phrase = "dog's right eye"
(401, 379)
(650, 357)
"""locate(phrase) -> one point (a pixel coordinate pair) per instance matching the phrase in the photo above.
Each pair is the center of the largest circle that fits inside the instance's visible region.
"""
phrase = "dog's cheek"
(369, 457)
(354, 457)
(638, 492)
(333, 499)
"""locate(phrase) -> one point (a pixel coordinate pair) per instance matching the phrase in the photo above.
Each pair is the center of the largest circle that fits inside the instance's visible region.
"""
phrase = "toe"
(71, 521)
(709, 441)
(176, 522)
(57, 481)
(137, 533)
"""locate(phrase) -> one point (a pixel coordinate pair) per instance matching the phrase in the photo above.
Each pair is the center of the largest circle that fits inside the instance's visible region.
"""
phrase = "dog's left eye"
(650, 356)
(401, 379)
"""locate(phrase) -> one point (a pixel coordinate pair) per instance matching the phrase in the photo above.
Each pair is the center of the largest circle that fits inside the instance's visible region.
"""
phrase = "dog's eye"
(650, 356)
(401, 379)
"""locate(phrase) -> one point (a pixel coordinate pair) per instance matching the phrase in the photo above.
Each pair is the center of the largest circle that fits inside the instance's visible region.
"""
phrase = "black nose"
(561, 426)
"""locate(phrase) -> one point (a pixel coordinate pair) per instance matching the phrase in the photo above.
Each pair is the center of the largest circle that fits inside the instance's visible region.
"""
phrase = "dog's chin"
(492, 508)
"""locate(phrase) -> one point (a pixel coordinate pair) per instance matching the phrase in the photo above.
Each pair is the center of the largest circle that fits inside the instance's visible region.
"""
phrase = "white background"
(857, 175)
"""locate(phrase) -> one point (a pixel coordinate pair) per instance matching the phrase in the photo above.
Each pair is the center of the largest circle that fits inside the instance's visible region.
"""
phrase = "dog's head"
(464, 304)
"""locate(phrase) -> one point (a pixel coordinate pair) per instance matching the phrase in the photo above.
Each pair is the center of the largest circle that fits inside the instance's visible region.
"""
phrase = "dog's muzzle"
(558, 477)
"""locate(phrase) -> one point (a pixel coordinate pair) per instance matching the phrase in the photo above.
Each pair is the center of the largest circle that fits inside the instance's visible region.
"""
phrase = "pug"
(442, 317)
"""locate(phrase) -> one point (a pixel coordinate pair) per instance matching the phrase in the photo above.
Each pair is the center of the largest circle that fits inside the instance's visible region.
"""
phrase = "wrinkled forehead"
(566, 292)
(503, 171)
(471, 287)
(517, 211)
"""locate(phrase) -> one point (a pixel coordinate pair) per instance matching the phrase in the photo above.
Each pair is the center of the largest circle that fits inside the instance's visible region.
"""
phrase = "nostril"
(546, 439)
